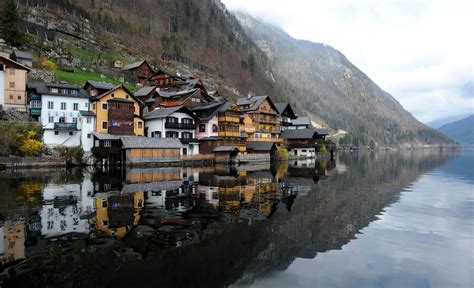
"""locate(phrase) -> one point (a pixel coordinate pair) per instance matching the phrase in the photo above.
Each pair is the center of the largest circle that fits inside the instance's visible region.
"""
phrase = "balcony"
(185, 126)
(229, 119)
(188, 140)
(121, 113)
(276, 140)
(229, 134)
(121, 130)
(65, 126)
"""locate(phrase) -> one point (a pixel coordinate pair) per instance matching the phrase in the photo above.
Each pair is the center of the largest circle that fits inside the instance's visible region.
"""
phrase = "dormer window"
(54, 90)
(64, 91)
(73, 92)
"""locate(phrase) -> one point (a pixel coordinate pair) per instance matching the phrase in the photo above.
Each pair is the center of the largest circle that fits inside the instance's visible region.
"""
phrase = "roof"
(14, 63)
(260, 146)
(208, 106)
(165, 112)
(281, 107)
(322, 131)
(100, 85)
(23, 55)
(86, 113)
(225, 149)
(133, 65)
(44, 89)
(254, 102)
(114, 89)
(145, 91)
(105, 136)
(145, 142)
(302, 120)
(176, 94)
(307, 133)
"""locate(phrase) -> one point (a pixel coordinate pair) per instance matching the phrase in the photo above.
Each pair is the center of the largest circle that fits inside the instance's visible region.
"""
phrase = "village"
(171, 118)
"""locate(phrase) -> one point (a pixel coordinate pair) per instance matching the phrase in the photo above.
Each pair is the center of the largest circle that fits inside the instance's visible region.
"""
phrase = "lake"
(384, 219)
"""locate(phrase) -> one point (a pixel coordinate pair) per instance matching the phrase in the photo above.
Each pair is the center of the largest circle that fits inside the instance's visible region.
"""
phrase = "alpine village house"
(170, 118)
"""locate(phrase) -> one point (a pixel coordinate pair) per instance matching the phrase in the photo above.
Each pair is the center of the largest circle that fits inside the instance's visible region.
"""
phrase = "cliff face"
(235, 55)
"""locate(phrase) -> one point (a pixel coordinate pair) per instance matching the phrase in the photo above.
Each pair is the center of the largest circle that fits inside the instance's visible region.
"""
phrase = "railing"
(276, 140)
(122, 130)
(121, 113)
(67, 126)
(188, 140)
(230, 119)
(172, 125)
(268, 120)
(229, 134)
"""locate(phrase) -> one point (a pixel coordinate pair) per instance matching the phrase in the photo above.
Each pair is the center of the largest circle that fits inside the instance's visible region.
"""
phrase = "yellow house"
(12, 84)
(118, 112)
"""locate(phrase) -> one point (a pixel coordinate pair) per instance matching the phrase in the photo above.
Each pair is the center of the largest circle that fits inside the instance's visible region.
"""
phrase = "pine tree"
(9, 24)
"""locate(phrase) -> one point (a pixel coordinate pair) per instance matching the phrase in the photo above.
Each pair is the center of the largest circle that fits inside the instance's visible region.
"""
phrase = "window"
(75, 106)
(104, 125)
(73, 92)
(11, 97)
(172, 120)
(93, 106)
(70, 133)
(104, 106)
(187, 135)
(51, 119)
(54, 90)
(105, 222)
(56, 132)
(19, 97)
(12, 84)
(74, 119)
(202, 128)
(89, 136)
(126, 96)
(35, 104)
(104, 203)
(12, 71)
(187, 121)
(107, 143)
(88, 119)
(86, 105)
(140, 124)
(185, 151)
(156, 134)
(63, 105)
(172, 134)
(64, 91)
(214, 128)
(50, 105)
(62, 119)
(113, 95)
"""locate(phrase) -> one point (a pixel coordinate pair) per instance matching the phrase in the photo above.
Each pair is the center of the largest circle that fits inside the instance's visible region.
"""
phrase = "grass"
(88, 56)
(81, 77)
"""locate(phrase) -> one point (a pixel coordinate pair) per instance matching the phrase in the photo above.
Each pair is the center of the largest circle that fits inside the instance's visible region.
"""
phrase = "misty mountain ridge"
(241, 55)
(437, 123)
(462, 131)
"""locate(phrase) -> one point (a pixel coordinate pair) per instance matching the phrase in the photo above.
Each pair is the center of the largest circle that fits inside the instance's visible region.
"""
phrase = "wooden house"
(188, 98)
(140, 150)
(287, 115)
(148, 93)
(302, 142)
(167, 81)
(12, 84)
(138, 72)
(265, 117)
(118, 112)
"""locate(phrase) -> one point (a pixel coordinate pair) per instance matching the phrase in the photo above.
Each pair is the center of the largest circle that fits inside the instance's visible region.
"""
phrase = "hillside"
(446, 120)
(203, 38)
(461, 131)
(334, 90)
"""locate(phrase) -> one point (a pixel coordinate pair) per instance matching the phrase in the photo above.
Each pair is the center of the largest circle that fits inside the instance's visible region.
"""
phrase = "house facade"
(265, 117)
(60, 113)
(287, 115)
(174, 122)
(118, 112)
(138, 72)
(12, 84)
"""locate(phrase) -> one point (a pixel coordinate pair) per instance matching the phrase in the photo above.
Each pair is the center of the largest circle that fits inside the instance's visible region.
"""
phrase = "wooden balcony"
(188, 140)
(121, 113)
(121, 130)
(276, 140)
(229, 134)
(228, 119)
(185, 126)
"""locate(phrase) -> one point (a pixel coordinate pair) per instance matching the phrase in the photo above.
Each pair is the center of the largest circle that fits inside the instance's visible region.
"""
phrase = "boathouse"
(142, 150)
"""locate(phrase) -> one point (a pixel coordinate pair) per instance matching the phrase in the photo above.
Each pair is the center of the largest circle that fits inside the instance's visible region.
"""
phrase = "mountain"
(332, 89)
(446, 120)
(235, 55)
(461, 131)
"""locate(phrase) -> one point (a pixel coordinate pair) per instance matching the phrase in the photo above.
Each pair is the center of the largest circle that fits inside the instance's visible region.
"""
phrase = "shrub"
(49, 65)
(72, 154)
(281, 153)
(31, 147)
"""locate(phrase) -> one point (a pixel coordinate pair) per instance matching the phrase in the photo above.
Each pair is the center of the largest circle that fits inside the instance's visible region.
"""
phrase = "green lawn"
(81, 77)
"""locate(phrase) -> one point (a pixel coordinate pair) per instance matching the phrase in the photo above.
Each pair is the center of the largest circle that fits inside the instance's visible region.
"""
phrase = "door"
(185, 151)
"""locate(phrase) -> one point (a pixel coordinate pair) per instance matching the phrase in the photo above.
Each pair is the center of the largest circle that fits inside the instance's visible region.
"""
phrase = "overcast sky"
(420, 51)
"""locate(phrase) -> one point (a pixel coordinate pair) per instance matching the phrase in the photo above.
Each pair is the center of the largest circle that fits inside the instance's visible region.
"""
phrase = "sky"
(420, 51)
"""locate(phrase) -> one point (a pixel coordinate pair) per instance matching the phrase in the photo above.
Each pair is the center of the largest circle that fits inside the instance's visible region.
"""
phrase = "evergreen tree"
(9, 24)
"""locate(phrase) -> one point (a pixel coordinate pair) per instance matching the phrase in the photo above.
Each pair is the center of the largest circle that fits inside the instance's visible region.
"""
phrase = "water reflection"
(245, 221)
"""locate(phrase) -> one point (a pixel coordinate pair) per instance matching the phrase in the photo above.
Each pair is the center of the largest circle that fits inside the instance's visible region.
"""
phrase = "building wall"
(103, 116)
(209, 132)
(15, 96)
(2, 88)
(152, 155)
(302, 152)
(87, 139)
(63, 138)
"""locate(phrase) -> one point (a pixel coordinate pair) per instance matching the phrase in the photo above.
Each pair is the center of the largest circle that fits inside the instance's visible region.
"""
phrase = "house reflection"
(12, 242)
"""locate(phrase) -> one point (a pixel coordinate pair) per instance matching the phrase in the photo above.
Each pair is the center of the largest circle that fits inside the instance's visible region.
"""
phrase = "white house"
(61, 107)
(173, 122)
(86, 124)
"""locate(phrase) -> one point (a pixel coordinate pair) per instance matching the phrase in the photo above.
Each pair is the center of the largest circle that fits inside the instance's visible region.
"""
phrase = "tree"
(9, 24)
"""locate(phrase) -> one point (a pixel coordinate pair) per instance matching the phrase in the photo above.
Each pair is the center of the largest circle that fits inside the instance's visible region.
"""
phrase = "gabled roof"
(145, 142)
(105, 136)
(99, 85)
(285, 107)
(134, 65)
(307, 133)
(322, 131)
(13, 63)
(44, 89)
(145, 91)
(178, 94)
(87, 113)
(302, 120)
(261, 146)
(254, 102)
(115, 89)
(208, 106)
(165, 112)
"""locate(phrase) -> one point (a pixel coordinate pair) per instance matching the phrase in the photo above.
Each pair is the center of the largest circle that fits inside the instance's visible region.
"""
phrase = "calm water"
(370, 220)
